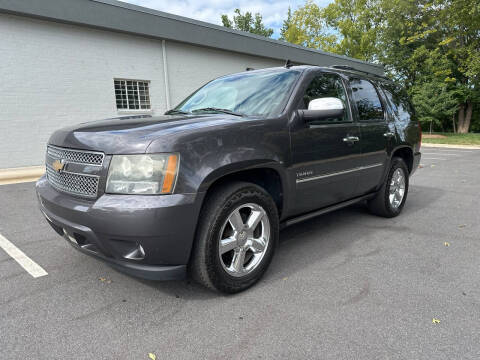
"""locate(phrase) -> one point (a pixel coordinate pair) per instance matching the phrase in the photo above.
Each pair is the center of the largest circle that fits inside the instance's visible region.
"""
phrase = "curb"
(450, 146)
(21, 175)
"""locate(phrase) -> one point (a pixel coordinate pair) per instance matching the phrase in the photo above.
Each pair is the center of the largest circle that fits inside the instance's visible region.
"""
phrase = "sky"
(273, 11)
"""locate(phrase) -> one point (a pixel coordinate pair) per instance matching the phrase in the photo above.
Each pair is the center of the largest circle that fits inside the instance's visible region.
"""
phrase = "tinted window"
(326, 85)
(398, 101)
(367, 100)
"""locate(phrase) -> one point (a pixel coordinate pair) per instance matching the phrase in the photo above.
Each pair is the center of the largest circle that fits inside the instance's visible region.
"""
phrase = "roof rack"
(347, 67)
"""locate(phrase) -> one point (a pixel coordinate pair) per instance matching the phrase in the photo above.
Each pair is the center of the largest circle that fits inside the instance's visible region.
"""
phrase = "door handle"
(389, 134)
(351, 139)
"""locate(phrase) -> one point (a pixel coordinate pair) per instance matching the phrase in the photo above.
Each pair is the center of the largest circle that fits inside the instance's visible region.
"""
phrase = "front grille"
(77, 184)
(76, 156)
(85, 185)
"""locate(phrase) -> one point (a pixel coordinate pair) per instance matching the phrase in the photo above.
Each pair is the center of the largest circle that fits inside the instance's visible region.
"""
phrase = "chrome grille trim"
(73, 183)
(85, 157)
(82, 180)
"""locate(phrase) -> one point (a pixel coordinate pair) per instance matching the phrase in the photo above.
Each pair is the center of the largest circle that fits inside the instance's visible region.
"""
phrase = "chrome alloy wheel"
(397, 188)
(244, 239)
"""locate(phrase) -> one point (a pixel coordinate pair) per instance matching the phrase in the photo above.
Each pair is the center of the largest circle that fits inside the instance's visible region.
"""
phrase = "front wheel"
(236, 238)
(391, 197)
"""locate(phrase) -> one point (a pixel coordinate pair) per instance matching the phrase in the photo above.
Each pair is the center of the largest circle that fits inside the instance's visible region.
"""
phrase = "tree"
(431, 46)
(287, 23)
(247, 22)
(435, 41)
(461, 44)
(306, 27)
(344, 27)
(435, 103)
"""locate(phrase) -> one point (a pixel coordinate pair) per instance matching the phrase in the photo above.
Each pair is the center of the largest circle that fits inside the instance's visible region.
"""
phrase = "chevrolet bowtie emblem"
(58, 165)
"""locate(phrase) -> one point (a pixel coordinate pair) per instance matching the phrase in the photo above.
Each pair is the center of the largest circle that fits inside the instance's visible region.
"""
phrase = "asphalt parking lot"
(346, 285)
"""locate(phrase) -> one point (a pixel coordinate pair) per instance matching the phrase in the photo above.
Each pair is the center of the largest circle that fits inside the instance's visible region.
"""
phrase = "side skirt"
(328, 209)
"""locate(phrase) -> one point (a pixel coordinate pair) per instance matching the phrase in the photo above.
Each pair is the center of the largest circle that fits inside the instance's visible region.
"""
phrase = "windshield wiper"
(220, 110)
(173, 112)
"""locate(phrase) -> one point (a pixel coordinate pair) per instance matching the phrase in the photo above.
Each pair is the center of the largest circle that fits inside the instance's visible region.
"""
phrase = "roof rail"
(347, 67)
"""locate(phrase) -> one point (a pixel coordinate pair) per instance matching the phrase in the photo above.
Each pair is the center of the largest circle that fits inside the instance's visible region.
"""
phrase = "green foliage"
(286, 25)
(431, 46)
(247, 22)
(306, 27)
(434, 103)
(344, 27)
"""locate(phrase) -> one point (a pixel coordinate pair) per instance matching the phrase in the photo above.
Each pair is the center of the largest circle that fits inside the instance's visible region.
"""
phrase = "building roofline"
(122, 17)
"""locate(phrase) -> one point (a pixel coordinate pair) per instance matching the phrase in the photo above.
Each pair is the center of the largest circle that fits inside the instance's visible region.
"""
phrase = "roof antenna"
(249, 69)
(288, 64)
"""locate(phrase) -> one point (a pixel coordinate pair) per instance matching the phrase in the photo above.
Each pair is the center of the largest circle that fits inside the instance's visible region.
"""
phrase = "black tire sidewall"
(397, 163)
(218, 276)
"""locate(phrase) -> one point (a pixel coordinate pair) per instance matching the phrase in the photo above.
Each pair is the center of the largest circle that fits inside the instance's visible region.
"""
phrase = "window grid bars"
(132, 94)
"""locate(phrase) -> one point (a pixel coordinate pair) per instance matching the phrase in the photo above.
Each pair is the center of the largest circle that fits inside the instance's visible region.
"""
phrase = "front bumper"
(113, 227)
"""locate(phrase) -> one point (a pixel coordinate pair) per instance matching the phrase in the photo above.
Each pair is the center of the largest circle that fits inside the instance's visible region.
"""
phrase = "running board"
(315, 213)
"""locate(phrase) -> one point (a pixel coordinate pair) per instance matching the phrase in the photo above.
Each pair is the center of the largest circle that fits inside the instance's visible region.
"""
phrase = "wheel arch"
(267, 175)
(406, 153)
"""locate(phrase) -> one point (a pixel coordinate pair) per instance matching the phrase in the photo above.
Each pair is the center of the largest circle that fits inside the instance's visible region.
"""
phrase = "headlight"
(142, 174)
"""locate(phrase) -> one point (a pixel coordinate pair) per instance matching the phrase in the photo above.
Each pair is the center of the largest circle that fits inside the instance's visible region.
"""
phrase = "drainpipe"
(165, 75)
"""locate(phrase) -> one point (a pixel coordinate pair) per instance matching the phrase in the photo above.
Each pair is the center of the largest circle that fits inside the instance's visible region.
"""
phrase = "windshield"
(258, 93)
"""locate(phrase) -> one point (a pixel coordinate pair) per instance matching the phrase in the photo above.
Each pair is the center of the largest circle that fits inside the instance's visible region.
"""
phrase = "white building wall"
(54, 75)
(190, 67)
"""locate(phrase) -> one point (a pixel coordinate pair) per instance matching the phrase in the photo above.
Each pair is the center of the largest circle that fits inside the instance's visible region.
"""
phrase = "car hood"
(133, 135)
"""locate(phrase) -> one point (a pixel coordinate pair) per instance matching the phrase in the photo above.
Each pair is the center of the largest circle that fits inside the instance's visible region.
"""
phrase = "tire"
(382, 204)
(220, 267)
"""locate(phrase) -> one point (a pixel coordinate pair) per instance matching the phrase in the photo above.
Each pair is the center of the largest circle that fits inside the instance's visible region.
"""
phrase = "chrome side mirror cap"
(323, 109)
(327, 103)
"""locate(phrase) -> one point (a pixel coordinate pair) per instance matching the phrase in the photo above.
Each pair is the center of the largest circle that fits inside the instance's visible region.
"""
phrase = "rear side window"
(398, 101)
(366, 98)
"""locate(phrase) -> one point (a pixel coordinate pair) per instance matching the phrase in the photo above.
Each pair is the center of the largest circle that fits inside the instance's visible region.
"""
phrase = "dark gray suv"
(205, 188)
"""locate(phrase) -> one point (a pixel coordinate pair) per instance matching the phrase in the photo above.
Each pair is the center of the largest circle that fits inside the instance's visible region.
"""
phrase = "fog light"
(137, 254)
(69, 237)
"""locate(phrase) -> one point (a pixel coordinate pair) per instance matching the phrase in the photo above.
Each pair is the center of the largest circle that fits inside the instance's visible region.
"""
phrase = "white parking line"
(19, 256)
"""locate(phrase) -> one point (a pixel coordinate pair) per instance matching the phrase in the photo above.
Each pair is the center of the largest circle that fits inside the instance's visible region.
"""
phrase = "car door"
(375, 134)
(324, 152)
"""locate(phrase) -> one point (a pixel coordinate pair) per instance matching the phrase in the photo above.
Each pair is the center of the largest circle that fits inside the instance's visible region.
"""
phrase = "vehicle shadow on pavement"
(309, 242)
(312, 241)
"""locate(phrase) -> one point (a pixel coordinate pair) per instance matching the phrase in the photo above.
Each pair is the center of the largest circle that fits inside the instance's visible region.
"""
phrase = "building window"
(132, 94)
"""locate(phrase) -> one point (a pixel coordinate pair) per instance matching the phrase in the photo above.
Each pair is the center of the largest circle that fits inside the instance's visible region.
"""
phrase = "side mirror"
(323, 109)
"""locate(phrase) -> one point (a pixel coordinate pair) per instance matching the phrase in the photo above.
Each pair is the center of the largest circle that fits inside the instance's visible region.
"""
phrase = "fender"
(387, 168)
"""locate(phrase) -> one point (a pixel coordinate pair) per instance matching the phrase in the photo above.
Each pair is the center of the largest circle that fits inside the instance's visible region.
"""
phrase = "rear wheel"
(391, 197)
(236, 239)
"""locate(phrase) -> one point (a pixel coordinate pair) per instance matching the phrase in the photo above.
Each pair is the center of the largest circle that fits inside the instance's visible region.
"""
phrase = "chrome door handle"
(351, 139)
(389, 134)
